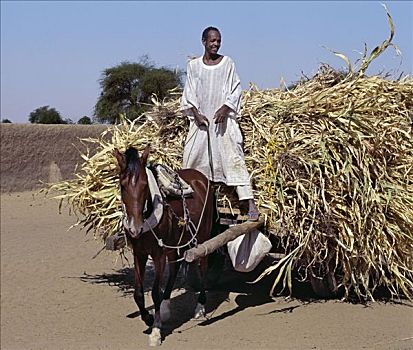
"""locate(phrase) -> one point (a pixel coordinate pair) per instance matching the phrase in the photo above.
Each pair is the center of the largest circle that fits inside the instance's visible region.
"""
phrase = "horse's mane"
(132, 161)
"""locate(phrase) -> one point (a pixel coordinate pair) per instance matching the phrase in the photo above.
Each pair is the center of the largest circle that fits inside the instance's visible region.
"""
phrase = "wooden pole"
(218, 241)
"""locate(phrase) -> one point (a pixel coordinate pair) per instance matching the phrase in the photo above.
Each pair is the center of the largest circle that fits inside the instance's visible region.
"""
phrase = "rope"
(190, 225)
(211, 165)
(185, 208)
(162, 244)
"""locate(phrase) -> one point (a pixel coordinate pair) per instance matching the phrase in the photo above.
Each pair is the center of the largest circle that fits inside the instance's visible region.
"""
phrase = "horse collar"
(154, 219)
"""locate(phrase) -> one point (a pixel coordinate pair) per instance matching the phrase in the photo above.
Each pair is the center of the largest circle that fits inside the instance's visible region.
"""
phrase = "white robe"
(207, 88)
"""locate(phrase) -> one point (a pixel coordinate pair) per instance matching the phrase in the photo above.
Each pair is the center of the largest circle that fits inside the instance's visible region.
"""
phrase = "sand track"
(54, 296)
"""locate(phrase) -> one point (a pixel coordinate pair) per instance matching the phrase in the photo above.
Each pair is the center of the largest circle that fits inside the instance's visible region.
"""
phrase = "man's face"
(213, 42)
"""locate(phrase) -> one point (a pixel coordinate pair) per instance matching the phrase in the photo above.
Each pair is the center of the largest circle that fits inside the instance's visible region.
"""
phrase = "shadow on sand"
(221, 282)
(220, 285)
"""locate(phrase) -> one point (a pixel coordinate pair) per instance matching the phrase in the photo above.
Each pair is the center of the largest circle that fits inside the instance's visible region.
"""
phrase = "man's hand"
(221, 114)
(200, 119)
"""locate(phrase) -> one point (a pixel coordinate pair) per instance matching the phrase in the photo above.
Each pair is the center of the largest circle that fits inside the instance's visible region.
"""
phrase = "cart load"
(331, 163)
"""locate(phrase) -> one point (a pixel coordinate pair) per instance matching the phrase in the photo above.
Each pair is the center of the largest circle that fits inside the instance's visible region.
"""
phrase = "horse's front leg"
(155, 336)
(200, 306)
(173, 271)
(140, 264)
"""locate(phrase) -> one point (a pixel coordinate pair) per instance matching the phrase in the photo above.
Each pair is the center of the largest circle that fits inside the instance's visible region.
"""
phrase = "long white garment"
(207, 88)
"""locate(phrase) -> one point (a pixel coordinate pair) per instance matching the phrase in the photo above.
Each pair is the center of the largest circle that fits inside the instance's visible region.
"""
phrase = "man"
(212, 101)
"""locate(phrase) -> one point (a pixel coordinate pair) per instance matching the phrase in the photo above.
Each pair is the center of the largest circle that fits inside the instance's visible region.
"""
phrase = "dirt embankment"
(31, 154)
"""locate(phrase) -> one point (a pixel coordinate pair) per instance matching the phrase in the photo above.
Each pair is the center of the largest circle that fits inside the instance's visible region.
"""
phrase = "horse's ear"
(120, 158)
(145, 154)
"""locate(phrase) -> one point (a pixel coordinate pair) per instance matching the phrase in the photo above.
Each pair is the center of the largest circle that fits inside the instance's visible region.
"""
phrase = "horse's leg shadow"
(182, 304)
(182, 308)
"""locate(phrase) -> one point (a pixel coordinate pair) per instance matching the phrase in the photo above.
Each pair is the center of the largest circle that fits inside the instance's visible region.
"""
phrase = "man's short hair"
(207, 30)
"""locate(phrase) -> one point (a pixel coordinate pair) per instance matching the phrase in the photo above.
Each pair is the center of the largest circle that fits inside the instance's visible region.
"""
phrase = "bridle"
(188, 223)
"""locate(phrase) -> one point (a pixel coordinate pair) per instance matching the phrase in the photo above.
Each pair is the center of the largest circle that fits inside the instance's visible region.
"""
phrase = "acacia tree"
(127, 88)
(158, 81)
(46, 115)
(85, 120)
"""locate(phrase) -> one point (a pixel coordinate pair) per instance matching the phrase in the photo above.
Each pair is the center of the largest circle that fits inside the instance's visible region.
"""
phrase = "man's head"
(211, 39)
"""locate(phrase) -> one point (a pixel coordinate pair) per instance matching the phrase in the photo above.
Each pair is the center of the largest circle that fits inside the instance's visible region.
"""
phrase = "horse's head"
(134, 188)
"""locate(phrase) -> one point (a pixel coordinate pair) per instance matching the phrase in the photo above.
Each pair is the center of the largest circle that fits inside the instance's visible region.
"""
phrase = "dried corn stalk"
(332, 160)
(338, 180)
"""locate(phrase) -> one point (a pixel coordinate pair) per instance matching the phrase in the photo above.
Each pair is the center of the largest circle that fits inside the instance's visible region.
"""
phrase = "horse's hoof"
(199, 311)
(148, 319)
(155, 337)
(165, 310)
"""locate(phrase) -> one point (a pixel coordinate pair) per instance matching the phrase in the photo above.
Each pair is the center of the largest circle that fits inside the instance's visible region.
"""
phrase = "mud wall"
(36, 153)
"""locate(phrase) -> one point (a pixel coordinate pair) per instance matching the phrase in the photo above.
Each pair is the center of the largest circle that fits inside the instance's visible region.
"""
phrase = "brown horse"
(184, 222)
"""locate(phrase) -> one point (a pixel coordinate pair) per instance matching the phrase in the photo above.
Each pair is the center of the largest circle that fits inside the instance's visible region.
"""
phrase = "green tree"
(6, 120)
(127, 88)
(85, 120)
(46, 115)
(158, 81)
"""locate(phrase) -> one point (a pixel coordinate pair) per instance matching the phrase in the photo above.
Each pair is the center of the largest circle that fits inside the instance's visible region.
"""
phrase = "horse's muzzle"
(132, 229)
(135, 233)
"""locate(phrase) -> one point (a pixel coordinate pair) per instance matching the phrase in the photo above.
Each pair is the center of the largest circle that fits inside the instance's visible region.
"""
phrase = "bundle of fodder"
(333, 162)
(336, 172)
(331, 159)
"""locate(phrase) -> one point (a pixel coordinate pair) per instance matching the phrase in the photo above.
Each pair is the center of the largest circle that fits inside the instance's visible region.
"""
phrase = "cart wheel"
(325, 287)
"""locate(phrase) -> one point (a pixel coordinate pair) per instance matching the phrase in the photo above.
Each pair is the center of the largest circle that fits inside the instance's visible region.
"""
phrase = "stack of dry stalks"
(332, 160)
(338, 179)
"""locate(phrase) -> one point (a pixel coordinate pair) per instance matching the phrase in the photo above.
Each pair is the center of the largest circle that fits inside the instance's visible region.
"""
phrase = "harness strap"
(186, 211)
(189, 224)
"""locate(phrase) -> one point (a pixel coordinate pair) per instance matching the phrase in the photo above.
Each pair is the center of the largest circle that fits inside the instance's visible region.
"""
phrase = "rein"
(188, 222)
(190, 226)
(187, 217)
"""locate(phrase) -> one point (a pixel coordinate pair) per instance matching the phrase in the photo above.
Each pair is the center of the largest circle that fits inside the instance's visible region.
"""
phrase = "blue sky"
(53, 52)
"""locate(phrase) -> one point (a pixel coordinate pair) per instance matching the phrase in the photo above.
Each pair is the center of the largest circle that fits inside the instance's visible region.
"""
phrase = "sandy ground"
(55, 296)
